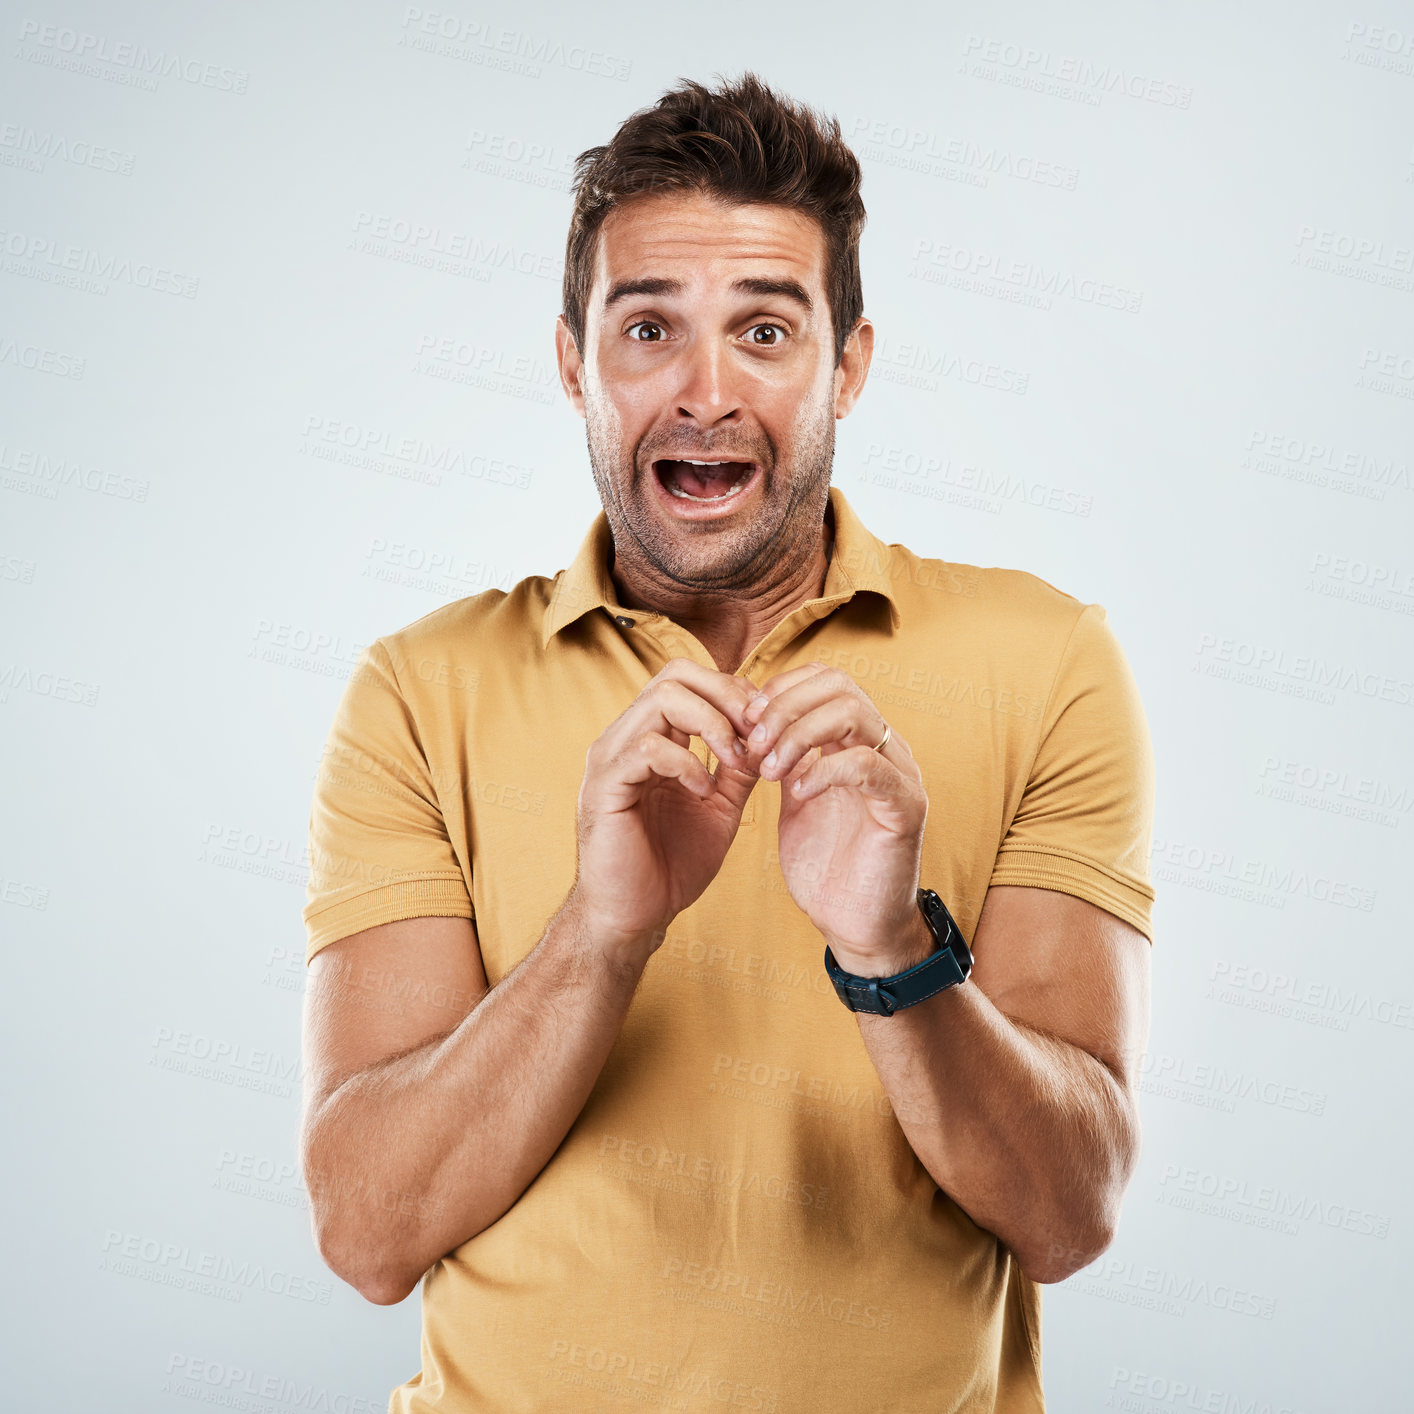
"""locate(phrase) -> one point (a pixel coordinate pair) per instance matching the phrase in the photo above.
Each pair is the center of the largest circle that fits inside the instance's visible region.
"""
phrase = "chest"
(509, 765)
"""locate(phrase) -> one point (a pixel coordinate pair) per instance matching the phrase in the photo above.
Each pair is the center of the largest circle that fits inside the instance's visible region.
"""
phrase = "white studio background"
(276, 372)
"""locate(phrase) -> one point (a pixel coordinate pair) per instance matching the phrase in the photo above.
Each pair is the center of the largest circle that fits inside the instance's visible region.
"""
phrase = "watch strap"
(946, 967)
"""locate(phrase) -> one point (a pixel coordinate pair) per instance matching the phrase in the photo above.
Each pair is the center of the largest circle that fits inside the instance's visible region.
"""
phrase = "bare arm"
(1017, 1089)
(432, 1102)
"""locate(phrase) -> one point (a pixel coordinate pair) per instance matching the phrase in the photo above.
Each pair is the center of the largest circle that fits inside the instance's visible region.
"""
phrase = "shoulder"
(1008, 605)
(443, 646)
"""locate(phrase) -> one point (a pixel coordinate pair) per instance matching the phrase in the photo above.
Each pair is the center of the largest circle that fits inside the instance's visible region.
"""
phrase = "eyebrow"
(749, 285)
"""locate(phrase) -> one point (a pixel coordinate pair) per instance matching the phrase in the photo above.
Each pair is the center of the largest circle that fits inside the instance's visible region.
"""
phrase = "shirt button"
(623, 620)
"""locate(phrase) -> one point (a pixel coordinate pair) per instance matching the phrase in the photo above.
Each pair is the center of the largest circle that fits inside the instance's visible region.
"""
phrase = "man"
(575, 1059)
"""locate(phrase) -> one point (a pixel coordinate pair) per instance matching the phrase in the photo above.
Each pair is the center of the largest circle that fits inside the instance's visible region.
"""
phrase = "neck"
(729, 623)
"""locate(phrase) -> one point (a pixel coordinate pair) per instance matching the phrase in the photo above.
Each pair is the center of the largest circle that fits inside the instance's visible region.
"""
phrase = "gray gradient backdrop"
(277, 286)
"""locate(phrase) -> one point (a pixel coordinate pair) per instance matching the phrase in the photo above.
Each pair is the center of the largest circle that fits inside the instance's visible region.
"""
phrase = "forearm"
(1032, 1137)
(419, 1153)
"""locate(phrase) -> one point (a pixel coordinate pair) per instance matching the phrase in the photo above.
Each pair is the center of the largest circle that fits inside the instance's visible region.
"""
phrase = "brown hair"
(741, 143)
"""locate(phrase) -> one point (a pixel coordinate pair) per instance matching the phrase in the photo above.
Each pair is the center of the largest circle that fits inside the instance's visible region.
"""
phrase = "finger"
(726, 692)
(669, 704)
(863, 769)
(788, 700)
(806, 694)
(651, 754)
(782, 682)
(838, 723)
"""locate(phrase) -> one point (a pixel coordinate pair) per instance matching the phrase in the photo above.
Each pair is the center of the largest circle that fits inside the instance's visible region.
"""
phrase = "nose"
(707, 393)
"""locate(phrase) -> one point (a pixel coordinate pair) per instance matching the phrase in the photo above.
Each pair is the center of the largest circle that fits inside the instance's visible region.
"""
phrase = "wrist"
(914, 943)
(622, 951)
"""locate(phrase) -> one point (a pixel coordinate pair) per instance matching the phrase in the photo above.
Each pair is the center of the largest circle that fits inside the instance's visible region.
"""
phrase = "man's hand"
(654, 825)
(851, 824)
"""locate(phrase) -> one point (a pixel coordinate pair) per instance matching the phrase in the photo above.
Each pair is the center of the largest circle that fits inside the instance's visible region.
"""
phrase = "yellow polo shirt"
(735, 1220)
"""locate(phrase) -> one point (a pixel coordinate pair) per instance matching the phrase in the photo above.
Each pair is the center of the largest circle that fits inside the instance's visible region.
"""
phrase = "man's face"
(708, 339)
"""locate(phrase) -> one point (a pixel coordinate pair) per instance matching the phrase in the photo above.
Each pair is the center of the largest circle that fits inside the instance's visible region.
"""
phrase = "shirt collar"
(860, 562)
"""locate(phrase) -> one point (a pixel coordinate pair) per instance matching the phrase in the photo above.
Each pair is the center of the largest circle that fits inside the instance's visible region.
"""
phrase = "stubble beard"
(783, 530)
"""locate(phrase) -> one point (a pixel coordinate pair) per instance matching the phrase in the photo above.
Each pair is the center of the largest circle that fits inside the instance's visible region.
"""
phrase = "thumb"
(734, 783)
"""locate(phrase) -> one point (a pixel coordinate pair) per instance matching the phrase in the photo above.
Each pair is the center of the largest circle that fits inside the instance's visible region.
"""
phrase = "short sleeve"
(378, 845)
(1084, 823)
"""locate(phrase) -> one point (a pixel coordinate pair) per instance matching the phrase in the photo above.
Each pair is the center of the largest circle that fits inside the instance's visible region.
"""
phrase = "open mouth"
(703, 481)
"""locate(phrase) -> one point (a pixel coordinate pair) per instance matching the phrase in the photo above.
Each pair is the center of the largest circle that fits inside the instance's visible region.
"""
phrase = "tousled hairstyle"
(740, 142)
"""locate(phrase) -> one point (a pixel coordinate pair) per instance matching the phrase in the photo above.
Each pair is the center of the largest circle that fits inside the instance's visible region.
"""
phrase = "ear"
(570, 364)
(854, 367)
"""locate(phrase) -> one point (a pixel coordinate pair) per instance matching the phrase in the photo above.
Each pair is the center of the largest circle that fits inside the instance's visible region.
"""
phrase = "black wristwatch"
(946, 967)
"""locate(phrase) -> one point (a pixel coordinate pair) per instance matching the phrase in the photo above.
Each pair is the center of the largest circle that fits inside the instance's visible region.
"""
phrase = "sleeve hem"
(431, 896)
(1041, 868)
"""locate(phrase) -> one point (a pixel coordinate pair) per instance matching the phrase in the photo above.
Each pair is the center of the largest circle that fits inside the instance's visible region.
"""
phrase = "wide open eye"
(652, 338)
(774, 331)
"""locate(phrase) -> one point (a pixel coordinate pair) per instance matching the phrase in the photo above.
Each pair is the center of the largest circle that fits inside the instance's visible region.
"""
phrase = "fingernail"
(770, 760)
(759, 735)
(739, 746)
